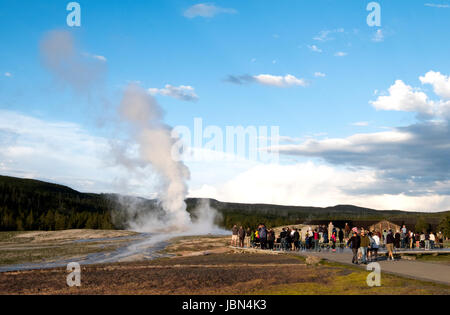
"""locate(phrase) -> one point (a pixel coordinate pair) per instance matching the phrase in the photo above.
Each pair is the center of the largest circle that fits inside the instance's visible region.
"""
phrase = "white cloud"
(440, 83)
(403, 97)
(325, 34)
(8, 74)
(314, 48)
(340, 54)
(66, 153)
(182, 92)
(378, 36)
(280, 81)
(206, 10)
(360, 124)
(101, 58)
(312, 184)
(319, 75)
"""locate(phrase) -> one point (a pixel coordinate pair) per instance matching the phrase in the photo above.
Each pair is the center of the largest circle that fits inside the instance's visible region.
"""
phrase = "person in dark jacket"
(390, 245)
(354, 242)
(365, 242)
(296, 239)
(341, 236)
(270, 238)
(263, 236)
(397, 239)
(241, 234)
(283, 239)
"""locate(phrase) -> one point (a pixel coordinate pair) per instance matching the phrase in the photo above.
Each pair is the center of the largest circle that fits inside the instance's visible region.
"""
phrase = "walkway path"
(412, 269)
(434, 272)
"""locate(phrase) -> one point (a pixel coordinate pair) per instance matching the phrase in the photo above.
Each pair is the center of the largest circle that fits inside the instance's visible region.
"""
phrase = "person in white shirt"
(432, 240)
(374, 246)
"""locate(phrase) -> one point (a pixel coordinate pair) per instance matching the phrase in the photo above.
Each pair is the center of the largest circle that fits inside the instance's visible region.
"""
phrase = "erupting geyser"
(155, 142)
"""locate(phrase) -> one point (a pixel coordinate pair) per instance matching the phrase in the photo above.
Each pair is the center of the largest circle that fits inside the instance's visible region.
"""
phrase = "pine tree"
(49, 221)
(60, 221)
(19, 224)
(29, 221)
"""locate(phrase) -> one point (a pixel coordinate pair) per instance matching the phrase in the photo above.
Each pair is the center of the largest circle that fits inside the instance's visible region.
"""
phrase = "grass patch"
(443, 258)
(351, 280)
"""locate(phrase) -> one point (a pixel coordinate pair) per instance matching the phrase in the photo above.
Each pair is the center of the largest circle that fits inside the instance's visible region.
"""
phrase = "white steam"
(151, 140)
(155, 143)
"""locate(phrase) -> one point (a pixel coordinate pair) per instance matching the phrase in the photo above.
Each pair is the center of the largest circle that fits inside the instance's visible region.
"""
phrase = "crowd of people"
(363, 243)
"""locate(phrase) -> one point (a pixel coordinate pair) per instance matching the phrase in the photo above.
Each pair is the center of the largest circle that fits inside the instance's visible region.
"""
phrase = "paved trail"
(412, 269)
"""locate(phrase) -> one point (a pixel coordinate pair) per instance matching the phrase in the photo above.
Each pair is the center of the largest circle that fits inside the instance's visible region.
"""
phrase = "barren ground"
(206, 265)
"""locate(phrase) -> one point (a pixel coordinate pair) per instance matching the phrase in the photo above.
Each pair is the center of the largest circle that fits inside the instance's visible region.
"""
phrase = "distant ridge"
(19, 197)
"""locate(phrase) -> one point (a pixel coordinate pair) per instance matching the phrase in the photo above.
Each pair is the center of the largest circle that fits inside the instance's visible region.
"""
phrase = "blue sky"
(201, 45)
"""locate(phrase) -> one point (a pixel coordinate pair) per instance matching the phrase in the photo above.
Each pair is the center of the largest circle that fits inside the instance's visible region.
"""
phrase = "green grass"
(443, 258)
(350, 280)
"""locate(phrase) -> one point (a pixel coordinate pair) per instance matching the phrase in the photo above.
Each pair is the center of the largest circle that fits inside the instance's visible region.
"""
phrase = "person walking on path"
(390, 245)
(364, 245)
(354, 242)
(234, 236)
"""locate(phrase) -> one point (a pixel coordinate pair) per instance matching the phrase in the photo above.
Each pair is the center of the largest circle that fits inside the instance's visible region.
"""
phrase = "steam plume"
(155, 141)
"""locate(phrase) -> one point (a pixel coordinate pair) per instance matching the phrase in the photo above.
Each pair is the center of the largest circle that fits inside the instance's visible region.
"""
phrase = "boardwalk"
(434, 272)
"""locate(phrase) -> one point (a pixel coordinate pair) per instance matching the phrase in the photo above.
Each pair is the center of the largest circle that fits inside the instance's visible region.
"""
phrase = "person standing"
(296, 239)
(347, 230)
(333, 241)
(248, 234)
(417, 239)
(364, 245)
(397, 239)
(374, 246)
(283, 239)
(263, 236)
(234, 236)
(270, 238)
(330, 229)
(354, 242)
(390, 245)
(432, 240)
(341, 236)
(316, 240)
(241, 234)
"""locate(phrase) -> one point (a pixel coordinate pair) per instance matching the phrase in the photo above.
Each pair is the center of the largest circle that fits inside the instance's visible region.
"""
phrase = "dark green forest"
(27, 204)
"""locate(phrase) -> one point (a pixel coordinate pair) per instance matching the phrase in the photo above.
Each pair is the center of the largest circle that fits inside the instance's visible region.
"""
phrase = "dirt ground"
(37, 247)
(229, 273)
(199, 265)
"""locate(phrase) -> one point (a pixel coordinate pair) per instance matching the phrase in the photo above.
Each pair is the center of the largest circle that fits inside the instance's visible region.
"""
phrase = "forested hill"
(27, 204)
